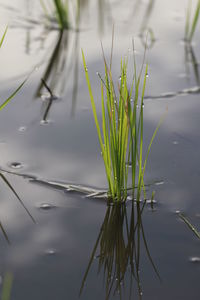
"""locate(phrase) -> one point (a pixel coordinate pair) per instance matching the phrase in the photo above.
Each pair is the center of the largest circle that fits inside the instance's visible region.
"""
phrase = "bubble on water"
(45, 96)
(194, 259)
(50, 251)
(44, 122)
(151, 201)
(15, 165)
(159, 183)
(22, 128)
(47, 206)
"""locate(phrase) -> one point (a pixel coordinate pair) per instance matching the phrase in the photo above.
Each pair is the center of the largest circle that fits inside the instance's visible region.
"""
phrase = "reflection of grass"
(61, 12)
(121, 135)
(117, 250)
(1, 175)
(191, 25)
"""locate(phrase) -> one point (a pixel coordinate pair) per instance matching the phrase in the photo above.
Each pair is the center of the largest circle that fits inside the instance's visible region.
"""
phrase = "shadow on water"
(118, 251)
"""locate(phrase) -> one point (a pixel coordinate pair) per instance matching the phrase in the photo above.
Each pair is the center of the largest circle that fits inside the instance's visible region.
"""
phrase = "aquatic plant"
(121, 133)
(190, 25)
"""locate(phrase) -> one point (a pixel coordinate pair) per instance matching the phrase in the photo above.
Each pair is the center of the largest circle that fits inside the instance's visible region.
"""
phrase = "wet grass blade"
(12, 95)
(185, 220)
(7, 284)
(3, 37)
(195, 20)
(17, 196)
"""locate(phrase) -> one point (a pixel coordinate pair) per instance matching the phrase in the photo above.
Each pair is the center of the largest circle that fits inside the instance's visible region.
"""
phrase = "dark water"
(59, 142)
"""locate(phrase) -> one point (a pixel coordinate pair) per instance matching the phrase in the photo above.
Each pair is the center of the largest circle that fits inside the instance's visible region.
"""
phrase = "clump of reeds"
(191, 24)
(121, 131)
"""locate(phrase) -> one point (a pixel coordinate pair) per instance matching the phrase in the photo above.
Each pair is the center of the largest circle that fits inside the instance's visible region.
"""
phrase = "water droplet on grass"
(15, 165)
(147, 75)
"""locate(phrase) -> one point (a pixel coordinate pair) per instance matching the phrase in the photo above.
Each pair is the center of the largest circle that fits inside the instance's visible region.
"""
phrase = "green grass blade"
(7, 284)
(3, 37)
(93, 103)
(195, 20)
(189, 225)
(12, 95)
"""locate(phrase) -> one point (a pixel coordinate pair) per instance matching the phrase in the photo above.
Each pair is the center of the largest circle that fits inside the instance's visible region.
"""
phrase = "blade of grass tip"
(189, 225)
(4, 233)
(195, 20)
(7, 284)
(187, 23)
(3, 37)
(111, 54)
(93, 104)
(13, 94)
(15, 193)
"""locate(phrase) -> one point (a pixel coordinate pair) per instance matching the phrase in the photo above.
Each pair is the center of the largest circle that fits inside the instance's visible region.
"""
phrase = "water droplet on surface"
(120, 78)
(177, 212)
(86, 69)
(45, 96)
(15, 165)
(150, 201)
(44, 122)
(159, 183)
(50, 252)
(47, 206)
(131, 100)
(147, 75)
(175, 142)
(22, 128)
(194, 259)
(97, 73)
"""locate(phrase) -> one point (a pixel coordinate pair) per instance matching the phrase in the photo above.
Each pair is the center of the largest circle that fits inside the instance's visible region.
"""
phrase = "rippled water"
(56, 141)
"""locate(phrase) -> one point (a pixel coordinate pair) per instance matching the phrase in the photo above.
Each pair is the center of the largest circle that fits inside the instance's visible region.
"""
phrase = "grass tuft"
(121, 131)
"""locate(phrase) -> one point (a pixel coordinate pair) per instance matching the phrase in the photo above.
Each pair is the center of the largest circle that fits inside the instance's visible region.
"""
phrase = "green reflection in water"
(117, 251)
